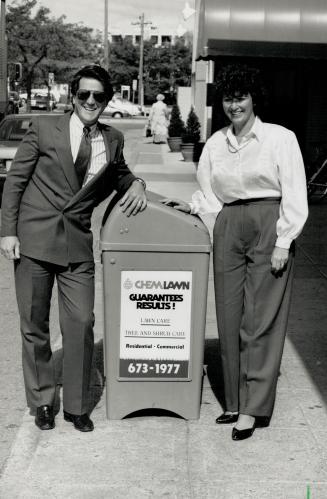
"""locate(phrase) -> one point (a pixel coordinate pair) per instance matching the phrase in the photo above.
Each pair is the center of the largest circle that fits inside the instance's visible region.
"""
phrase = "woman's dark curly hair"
(96, 72)
(239, 79)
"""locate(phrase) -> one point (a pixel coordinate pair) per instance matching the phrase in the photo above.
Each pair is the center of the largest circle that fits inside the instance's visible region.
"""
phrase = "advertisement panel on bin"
(155, 324)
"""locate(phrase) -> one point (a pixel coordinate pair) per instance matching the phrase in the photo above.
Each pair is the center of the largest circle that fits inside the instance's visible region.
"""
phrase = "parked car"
(12, 130)
(40, 101)
(122, 108)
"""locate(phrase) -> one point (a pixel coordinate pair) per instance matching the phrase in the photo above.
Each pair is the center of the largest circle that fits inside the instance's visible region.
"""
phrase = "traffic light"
(15, 71)
(18, 71)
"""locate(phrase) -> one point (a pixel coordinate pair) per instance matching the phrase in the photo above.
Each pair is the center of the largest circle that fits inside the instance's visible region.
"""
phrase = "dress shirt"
(98, 156)
(267, 162)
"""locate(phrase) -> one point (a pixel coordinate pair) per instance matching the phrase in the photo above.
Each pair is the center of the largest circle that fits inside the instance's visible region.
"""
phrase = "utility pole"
(3, 61)
(141, 23)
(105, 36)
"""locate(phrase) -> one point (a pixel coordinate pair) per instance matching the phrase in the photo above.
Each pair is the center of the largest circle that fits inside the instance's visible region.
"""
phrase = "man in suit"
(64, 167)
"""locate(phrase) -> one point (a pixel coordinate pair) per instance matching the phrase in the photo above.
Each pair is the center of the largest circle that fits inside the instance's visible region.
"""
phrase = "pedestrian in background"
(252, 176)
(158, 120)
(64, 167)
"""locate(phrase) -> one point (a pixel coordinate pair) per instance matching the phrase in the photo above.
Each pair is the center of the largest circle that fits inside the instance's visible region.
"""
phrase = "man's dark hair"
(239, 79)
(96, 72)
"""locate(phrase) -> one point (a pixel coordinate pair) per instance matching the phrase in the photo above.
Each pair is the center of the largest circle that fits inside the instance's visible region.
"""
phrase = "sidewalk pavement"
(168, 457)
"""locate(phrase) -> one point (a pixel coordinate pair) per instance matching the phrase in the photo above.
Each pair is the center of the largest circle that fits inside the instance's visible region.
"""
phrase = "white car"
(122, 108)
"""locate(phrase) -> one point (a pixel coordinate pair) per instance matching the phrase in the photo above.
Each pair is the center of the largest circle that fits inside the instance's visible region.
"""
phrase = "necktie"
(83, 156)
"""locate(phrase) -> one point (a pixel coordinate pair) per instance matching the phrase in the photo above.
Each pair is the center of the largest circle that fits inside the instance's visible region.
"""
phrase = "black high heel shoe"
(243, 434)
(227, 418)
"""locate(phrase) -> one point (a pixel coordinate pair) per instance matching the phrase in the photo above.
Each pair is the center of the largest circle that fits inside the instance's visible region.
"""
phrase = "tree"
(44, 44)
(176, 127)
(192, 133)
(123, 63)
(166, 68)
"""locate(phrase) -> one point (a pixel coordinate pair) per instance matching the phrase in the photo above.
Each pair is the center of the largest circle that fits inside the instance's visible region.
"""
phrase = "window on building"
(117, 39)
(166, 40)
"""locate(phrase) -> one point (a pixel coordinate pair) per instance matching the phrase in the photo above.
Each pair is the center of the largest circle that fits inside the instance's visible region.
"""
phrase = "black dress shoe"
(227, 418)
(44, 418)
(242, 434)
(81, 422)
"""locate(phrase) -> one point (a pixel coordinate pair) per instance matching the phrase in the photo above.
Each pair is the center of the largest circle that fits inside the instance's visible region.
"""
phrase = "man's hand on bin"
(134, 199)
(9, 247)
(178, 204)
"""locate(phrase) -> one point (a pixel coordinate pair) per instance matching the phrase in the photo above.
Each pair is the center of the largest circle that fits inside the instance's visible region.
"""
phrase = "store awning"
(262, 28)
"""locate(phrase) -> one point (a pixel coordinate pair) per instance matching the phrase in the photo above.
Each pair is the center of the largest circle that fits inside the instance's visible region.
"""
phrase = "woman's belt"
(269, 200)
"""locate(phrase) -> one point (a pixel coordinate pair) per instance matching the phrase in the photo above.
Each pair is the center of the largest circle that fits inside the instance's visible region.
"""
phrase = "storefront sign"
(155, 324)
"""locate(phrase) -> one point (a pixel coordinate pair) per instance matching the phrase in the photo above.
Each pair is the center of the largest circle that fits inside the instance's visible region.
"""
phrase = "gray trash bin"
(155, 279)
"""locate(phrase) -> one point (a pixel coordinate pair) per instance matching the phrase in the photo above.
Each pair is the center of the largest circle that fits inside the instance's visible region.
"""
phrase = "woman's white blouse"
(267, 163)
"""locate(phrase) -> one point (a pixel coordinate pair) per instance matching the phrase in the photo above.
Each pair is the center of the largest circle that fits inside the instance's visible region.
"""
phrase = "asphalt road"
(12, 396)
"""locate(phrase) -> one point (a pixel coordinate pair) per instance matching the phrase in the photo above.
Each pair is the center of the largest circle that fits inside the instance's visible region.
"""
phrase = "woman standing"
(158, 120)
(252, 174)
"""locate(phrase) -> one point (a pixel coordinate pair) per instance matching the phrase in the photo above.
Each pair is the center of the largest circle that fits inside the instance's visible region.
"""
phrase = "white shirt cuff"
(283, 242)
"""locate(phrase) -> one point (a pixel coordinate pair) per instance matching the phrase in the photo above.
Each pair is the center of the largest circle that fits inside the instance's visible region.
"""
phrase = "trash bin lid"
(158, 228)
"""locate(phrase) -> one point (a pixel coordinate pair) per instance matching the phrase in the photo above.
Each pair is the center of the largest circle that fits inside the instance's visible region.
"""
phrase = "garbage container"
(155, 279)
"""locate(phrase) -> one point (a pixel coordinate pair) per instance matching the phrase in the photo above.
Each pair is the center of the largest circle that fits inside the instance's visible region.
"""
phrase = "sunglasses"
(83, 95)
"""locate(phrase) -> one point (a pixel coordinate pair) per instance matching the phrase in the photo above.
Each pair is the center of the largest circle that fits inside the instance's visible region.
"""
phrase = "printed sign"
(155, 324)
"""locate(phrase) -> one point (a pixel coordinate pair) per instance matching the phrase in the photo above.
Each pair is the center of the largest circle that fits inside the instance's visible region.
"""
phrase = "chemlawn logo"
(128, 284)
(162, 284)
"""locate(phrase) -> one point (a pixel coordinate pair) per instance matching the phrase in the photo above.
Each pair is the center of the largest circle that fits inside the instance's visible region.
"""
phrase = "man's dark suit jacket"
(42, 202)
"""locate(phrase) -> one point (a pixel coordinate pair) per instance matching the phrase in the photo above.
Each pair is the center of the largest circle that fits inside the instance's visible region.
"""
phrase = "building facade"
(158, 40)
(286, 40)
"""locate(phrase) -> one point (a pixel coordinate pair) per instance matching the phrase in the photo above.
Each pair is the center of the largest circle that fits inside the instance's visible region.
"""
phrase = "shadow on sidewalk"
(214, 369)
(308, 317)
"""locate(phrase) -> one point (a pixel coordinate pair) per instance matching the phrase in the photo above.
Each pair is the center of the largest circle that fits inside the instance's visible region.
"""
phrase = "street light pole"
(105, 36)
(3, 60)
(141, 23)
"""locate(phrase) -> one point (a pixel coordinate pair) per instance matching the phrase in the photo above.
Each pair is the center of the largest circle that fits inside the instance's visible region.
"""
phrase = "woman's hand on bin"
(178, 204)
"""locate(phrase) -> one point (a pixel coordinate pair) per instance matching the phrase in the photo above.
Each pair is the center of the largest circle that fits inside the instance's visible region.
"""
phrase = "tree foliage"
(193, 128)
(164, 67)
(46, 44)
(42, 43)
(176, 127)
(123, 63)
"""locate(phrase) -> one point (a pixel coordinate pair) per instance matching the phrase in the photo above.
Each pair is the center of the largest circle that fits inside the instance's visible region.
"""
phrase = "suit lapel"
(110, 145)
(63, 148)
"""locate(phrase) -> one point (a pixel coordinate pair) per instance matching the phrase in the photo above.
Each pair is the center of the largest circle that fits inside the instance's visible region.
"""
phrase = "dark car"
(12, 130)
(40, 101)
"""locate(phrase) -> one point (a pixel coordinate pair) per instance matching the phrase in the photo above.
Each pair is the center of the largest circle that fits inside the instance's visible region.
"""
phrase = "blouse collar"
(256, 131)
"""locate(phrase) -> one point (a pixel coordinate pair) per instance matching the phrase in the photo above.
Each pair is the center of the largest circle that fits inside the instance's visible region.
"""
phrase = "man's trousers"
(34, 282)
(252, 304)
